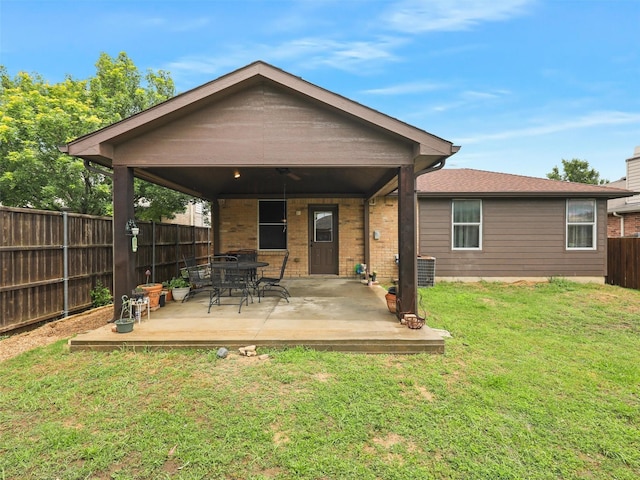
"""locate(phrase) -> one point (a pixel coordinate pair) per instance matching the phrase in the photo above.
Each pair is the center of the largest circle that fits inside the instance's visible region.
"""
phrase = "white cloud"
(357, 57)
(172, 25)
(417, 16)
(594, 119)
(406, 88)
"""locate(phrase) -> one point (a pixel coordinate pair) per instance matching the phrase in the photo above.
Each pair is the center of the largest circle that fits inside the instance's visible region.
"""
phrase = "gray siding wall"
(521, 238)
(633, 178)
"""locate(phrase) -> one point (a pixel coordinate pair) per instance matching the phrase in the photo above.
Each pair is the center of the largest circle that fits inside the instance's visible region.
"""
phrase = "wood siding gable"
(264, 124)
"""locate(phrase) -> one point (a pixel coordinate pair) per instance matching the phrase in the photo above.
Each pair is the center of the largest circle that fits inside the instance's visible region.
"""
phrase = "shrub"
(100, 295)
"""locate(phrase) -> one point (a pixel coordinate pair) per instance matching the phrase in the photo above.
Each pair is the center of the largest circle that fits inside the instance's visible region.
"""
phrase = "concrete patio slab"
(324, 313)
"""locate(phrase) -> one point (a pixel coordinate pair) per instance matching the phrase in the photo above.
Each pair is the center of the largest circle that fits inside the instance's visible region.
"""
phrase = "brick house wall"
(631, 225)
(383, 217)
(239, 229)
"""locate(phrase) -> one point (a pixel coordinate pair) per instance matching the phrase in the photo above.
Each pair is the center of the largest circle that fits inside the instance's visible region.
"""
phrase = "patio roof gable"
(95, 146)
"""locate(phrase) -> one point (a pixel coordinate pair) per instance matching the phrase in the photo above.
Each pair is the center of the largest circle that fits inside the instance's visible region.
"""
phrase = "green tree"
(154, 202)
(577, 170)
(36, 117)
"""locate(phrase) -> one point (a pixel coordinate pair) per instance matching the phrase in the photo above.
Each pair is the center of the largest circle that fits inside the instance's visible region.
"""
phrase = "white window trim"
(594, 225)
(454, 224)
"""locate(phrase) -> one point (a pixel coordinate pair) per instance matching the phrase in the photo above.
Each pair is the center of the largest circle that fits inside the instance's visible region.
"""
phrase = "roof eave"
(604, 195)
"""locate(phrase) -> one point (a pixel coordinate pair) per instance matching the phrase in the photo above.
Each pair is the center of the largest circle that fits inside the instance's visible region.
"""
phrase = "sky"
(518, 84)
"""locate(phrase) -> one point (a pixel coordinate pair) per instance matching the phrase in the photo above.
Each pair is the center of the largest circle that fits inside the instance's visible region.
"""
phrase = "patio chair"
(189, 261)
(249, 255)
(199, 278)
(273, 283)
(226, 275)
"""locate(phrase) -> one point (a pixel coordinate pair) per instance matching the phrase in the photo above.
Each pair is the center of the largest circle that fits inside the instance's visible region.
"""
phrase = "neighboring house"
(624, 213)
(496, 226)
(195, 214)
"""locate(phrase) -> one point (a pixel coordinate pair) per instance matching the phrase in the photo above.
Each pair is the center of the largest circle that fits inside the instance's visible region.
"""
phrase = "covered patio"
(333, 314)
(277, 157)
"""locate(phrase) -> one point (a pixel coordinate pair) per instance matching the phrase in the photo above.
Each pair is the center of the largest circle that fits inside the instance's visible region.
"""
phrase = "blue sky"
(519, 84)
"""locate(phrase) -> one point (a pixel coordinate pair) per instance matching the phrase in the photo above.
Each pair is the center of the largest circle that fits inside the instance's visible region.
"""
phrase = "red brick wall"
(631, 225)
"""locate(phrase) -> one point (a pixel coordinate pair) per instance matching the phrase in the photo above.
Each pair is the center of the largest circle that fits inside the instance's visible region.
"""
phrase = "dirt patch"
(53, 331)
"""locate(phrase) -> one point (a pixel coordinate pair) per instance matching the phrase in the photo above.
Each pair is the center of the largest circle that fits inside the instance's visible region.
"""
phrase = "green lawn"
(538, 382)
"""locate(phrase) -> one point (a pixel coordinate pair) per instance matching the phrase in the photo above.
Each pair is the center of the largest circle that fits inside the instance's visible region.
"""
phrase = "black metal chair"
(273, 283)
(189, 261)
(249, 255)
(199, 277)
(226, 275)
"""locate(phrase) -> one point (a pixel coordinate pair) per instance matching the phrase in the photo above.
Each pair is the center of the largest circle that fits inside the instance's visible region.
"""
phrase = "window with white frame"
(467, 224)
(272, 224)
(581, 224)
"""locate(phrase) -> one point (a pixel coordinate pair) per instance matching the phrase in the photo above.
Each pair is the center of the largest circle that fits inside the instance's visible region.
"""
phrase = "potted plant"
(391, 299)
(167, 290)
(124, 325)
(153, 290)
(180, 288)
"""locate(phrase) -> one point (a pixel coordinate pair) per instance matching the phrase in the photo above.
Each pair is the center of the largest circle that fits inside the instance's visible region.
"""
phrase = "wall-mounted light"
(132, 230)
(236, 174)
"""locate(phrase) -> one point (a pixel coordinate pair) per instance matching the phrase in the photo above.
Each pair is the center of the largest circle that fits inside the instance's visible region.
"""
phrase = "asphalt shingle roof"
(469, 182)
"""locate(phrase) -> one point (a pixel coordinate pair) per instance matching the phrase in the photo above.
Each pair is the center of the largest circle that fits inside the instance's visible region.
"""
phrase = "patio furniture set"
(234, 273)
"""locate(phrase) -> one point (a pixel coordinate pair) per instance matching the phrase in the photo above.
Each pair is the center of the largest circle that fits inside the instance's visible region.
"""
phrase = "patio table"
(227, 273)
(241, 265)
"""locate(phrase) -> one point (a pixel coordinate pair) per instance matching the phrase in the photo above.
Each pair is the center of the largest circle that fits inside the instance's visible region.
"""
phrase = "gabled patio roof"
(271, 127)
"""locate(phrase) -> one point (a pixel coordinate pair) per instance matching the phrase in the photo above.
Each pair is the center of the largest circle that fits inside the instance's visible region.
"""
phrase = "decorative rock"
(222, 352)
(246, 351)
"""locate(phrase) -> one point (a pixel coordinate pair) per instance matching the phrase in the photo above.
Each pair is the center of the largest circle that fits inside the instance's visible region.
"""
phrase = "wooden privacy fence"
(50, 261)
(623, 262)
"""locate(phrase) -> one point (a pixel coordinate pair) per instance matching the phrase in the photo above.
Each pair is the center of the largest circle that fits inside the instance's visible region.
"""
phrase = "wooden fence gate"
(623, 262)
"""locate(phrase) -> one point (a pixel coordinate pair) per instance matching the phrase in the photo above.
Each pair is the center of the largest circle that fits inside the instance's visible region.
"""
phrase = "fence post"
(65, 263)
(153, 251)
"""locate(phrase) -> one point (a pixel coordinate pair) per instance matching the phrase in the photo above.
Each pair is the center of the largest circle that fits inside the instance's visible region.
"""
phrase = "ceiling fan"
(287, 171)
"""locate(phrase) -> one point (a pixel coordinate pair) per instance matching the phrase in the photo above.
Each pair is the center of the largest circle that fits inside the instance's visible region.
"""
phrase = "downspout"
(91, 168)
(438, 166)
(621, 217)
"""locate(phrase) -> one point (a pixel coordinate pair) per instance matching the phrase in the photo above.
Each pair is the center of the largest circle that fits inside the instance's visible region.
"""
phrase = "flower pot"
(168, 294)
(391, 302)
(180, 293)
(153, 290)
(124, 325)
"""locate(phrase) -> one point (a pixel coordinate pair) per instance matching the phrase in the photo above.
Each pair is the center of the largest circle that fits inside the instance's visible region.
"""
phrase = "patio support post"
(408, 279)
(124, 259)
(215, 224)
(367, 239)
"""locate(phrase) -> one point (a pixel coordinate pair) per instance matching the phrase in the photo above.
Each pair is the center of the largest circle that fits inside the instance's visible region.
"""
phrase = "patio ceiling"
(266, 182)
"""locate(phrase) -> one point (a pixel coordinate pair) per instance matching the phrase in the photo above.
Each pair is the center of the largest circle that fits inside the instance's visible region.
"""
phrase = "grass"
(538, 382)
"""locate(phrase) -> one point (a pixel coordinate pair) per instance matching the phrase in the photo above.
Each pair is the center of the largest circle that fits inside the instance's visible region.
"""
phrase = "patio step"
(396, 347)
